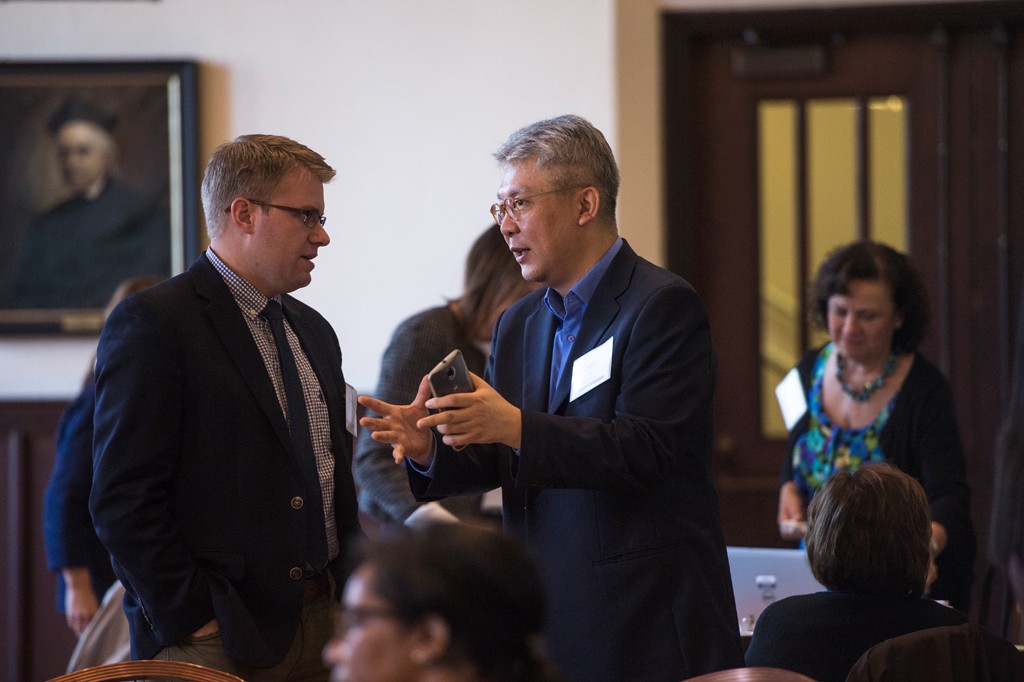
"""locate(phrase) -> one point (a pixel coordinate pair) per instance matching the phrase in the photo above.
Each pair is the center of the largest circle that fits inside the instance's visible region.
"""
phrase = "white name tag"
(351, 423)
(792, 401)
(591, 370)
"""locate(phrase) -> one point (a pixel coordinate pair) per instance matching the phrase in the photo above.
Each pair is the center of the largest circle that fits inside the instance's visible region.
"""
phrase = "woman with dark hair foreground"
(446, 602)
(867, 542)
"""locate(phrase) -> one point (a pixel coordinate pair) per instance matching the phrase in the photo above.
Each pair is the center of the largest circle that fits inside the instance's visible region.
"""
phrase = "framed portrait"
(98, 185)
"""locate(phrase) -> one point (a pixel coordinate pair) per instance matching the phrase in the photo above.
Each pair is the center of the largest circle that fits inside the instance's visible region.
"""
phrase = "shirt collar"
(247, 296)
(585, 288)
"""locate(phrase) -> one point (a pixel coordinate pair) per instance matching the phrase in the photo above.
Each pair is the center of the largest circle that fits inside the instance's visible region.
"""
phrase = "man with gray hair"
(596, 422)
(223, 485)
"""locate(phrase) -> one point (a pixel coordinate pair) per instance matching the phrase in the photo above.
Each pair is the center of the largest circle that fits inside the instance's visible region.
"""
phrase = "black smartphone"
(450, 375)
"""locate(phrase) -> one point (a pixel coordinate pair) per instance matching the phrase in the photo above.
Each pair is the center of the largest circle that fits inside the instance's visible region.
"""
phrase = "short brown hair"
(252, 166)
(869, 261)
(868, 531)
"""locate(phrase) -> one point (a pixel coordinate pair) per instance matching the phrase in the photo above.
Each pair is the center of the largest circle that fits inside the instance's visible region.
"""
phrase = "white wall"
(407, 99)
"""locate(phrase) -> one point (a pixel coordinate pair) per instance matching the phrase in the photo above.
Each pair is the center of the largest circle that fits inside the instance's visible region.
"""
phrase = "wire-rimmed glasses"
(513, 206)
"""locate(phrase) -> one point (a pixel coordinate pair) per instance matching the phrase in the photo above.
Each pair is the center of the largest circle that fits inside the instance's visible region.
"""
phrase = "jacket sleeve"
(68, 531)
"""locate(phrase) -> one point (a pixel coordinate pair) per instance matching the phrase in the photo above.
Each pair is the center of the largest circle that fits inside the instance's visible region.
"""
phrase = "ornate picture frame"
(98, 183)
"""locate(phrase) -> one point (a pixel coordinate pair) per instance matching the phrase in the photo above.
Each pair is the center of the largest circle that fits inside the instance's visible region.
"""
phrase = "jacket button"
(296, 502)
(295, 573)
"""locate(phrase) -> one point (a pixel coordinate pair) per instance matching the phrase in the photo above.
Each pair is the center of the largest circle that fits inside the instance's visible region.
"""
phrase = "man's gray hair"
(573, 150)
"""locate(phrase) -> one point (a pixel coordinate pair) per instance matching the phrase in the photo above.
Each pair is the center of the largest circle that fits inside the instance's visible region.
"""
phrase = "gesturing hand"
(480, 416)
(397, 426)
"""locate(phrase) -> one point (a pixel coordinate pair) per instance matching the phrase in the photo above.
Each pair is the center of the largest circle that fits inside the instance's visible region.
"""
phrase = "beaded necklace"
(870, 386)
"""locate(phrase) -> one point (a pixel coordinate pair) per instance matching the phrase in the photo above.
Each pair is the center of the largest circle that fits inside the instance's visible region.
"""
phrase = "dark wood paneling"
(35, 643)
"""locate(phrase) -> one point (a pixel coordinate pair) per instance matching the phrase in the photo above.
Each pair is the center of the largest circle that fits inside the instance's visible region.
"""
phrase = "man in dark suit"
(222, 483)
(598, 427)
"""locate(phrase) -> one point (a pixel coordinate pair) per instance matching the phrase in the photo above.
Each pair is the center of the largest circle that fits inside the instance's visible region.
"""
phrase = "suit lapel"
(601, 312)
(312, 346)
(227, 321)
(538, 336)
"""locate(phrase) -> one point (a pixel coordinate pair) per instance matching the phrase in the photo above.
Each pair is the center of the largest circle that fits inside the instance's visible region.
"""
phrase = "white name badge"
(591, 370)
(351, 423)
(792, 401)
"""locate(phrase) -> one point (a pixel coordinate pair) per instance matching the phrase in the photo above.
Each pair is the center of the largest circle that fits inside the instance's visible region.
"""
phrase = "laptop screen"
(762, 575)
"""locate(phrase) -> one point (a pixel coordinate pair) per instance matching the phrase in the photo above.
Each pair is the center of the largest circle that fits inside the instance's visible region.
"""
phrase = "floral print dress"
(825, 447)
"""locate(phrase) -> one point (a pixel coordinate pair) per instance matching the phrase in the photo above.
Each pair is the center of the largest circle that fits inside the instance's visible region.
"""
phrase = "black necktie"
(298, 419)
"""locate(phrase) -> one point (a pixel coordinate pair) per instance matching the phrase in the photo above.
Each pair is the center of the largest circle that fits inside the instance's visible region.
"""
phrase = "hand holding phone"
(450, 376)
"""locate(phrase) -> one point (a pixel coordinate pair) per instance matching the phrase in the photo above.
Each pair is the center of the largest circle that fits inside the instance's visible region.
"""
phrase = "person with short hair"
(223, 485)
(868, 532)
(595, 420)
(442, 602)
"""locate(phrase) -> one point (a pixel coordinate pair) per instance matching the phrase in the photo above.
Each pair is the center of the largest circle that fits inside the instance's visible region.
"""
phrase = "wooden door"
(35, 642)
(956, 74)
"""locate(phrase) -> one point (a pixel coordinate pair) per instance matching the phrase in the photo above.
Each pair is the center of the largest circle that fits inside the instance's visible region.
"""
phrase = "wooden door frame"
(679, 31)
(978, 216)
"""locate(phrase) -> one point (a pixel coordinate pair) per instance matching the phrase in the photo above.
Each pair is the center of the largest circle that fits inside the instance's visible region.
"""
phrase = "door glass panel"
(887, 175)
(831, 163)
(832, 214)
(780, 288)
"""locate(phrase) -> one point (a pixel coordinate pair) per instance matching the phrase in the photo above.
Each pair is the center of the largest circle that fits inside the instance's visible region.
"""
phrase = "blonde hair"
(252, 166)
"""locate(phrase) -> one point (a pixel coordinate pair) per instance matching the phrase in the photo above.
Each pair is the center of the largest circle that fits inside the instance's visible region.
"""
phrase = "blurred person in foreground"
(867, 539)
(441, 603)
(223, 485)
(870, 396)
(595, 420)
(492, 283)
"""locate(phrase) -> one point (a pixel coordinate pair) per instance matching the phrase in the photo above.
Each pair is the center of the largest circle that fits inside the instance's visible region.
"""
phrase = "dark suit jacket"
(613, 491)
(196, 491)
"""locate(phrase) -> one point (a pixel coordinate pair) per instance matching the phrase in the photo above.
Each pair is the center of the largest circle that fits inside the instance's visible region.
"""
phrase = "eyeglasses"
(513, 206)
(310, 216)
(359, 616)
